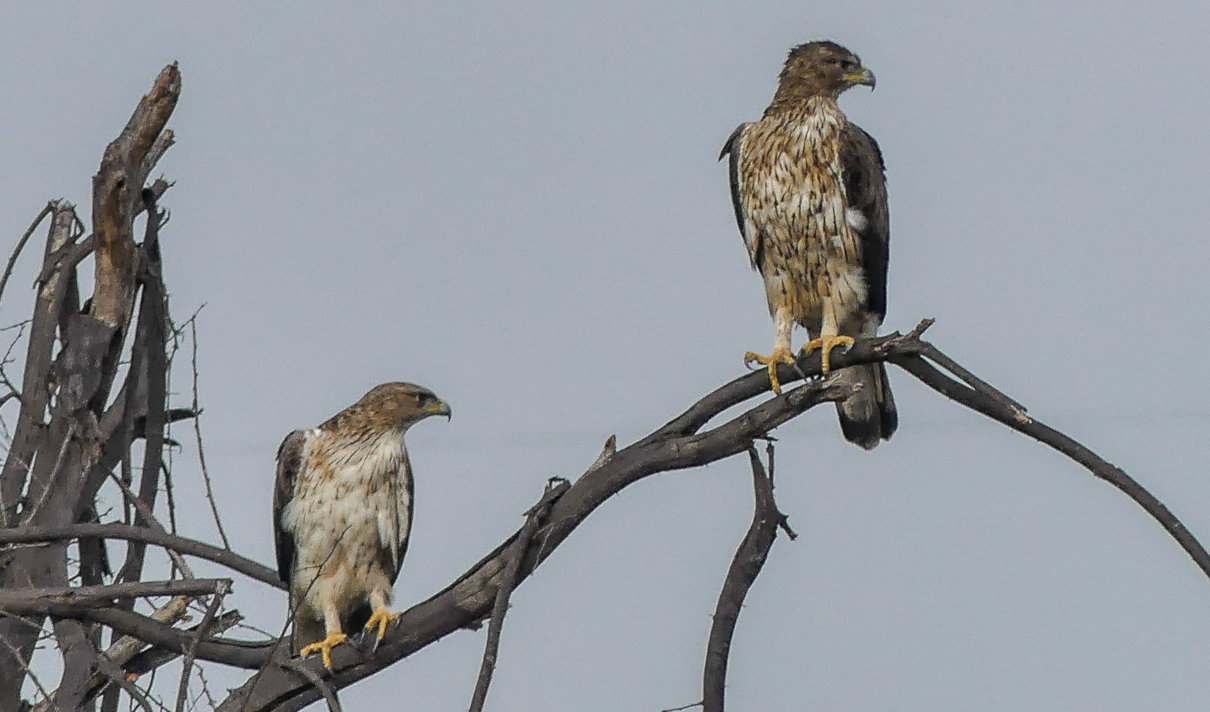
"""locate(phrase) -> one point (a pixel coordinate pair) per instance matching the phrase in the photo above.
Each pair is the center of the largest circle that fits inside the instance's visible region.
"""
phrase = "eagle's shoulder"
(290, 461)
(867, 210)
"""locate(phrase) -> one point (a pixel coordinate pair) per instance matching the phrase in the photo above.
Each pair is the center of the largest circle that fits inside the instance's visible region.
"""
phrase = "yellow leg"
(325, 647)
(781, 354)
(783, 324)
(335, 636)
(382, 619)
(826, 344)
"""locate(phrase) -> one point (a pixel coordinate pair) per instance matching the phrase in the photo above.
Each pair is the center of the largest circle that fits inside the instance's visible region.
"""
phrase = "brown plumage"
(809, 191)
(342, 514)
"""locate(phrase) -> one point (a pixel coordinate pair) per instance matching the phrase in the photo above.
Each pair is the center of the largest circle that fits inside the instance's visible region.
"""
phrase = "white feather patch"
(856, 219)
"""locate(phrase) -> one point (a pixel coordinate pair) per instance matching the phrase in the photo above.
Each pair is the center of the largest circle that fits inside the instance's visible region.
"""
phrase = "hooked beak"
(439, 407)
(864, 76)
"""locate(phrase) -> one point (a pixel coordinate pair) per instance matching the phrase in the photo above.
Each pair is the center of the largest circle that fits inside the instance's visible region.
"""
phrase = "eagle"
(342, 515)
(809, 191)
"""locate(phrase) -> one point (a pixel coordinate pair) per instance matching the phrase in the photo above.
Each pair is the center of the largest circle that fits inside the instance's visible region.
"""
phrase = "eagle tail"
(868, 415)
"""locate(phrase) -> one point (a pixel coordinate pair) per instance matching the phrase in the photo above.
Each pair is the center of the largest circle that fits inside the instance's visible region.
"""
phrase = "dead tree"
(95, 384)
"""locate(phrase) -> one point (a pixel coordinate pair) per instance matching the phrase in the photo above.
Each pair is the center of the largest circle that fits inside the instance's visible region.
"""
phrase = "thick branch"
(676, 445)
(114, 189)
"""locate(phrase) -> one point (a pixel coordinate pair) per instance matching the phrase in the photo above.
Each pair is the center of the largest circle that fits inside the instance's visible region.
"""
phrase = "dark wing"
(865, 186)
(403, 517)
(289, 460)
(751, 236)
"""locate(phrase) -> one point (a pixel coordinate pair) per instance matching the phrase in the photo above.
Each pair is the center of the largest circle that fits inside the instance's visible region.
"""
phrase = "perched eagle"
(342, 514)
(809, 190)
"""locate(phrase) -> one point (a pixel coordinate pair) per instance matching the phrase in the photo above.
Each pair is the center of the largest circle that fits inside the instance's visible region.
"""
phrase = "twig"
(745, 567)
(7, 359)
(318, 682)
(505, 591)
(689, 706)
(12, 260)
(148, 660)
(201, 673)
(215, 601)
(152, 523)
(106, 667)
(48, 486)
(170, 494)
(197, 429)
(16, 653)
(147, 535)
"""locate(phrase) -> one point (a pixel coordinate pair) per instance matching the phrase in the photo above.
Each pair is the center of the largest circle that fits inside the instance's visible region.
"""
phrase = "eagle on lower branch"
(809, 191)
(342, 514)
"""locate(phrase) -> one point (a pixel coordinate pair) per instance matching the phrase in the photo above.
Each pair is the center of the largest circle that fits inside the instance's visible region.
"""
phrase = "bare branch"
(35, 381)
(516, 555)
(249, 656)
(215, 601)
(12, 260)
(745, 567)
(189, 547)
(150, 522)
(115, 674)
(317, 681)
(20, 658)
(999, 407)
(114, 202)
(197, 429)
(122, 653)
(39, 600)
(471, 597)
(150, 360)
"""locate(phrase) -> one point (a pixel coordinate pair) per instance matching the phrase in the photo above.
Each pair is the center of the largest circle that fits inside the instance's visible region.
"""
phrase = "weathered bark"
(50, 454)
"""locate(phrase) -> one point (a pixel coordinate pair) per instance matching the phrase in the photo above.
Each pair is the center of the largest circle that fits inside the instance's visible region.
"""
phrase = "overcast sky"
(518, 205)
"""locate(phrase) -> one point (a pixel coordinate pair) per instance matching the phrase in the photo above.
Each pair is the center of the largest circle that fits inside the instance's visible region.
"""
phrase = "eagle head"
(394, 406)
(821, 69)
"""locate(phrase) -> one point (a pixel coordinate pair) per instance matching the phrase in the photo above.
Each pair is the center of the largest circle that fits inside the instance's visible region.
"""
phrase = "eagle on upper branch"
(809, 191)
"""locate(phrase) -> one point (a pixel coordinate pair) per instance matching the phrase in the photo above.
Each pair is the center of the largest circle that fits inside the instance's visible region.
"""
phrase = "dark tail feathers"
(869, 415)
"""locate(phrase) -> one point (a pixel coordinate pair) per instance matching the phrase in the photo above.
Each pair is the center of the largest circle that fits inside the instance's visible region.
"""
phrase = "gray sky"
(518, 205)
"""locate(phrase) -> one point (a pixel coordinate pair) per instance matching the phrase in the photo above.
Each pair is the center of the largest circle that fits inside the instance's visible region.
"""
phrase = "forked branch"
(745, 567)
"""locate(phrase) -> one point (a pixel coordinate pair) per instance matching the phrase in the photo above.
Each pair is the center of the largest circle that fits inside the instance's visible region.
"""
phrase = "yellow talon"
(382, 619)
(780, 355)
(827, 343)
(325, 646)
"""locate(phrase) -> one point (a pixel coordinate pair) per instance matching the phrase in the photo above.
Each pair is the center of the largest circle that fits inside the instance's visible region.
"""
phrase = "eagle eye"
(422, 399)
(848, 64)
